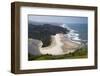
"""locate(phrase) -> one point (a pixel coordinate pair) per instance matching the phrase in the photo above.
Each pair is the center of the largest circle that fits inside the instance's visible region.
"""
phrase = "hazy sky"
(58, 19)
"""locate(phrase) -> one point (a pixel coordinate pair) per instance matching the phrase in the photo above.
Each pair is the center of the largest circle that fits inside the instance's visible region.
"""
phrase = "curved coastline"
(59, 46)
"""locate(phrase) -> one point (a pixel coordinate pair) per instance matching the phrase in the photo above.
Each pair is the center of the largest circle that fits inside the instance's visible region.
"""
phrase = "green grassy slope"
(80, 53)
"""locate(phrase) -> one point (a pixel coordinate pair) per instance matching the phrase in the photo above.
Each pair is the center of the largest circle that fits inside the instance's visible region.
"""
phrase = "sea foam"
(73, 35)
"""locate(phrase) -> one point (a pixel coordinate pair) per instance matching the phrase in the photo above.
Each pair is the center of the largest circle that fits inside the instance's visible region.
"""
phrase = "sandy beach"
(59, 46)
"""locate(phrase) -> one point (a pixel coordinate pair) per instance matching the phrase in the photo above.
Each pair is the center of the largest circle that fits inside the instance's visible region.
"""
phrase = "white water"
(72, 34)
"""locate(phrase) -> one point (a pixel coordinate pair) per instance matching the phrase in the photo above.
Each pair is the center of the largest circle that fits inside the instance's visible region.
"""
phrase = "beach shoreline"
(60, 46)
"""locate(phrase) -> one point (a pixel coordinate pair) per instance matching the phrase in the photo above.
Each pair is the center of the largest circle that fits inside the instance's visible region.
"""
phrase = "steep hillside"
(43, 32)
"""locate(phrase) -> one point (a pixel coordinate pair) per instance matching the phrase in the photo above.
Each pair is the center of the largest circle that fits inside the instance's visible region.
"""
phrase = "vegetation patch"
(80, 53)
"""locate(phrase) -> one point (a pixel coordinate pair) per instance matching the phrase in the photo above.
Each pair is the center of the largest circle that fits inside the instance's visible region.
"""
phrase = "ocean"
(77, 31)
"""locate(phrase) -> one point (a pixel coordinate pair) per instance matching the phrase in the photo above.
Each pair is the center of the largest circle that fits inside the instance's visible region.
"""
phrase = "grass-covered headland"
(80, 53)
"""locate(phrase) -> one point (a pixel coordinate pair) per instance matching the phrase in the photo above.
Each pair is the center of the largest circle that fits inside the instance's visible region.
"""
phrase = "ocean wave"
(73, 35)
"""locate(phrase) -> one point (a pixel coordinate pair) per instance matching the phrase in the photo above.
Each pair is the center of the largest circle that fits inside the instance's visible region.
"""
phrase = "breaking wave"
(73, 35)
